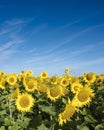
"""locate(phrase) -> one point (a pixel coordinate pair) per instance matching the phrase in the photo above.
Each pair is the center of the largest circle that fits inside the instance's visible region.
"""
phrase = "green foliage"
(44, 114)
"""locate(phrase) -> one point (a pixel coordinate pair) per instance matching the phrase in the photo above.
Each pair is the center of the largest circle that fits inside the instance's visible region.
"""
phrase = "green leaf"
(36, 121)
(2, 112)
(26, 122)
(42, 127)
(99, 127)
(7, 121)
(2, 128)
(83, 128)
(89, 119)
(14, 127)
(48, 109)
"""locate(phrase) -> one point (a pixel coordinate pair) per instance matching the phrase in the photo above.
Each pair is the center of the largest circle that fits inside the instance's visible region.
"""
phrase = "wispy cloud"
(92, 62)
(68, 25)
(74, 36)
(12, 40)
(38, 28)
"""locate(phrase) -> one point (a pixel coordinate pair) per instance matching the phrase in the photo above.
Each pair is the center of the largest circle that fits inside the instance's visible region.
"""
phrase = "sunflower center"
(24, 102)
(83, 96)
(76, 88)
(89, 77)
(54, 92)
(30, 85)
(11, 80)
(64, 82)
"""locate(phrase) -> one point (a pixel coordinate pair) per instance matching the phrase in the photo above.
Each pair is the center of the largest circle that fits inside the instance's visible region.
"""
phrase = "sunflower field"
(29, 102)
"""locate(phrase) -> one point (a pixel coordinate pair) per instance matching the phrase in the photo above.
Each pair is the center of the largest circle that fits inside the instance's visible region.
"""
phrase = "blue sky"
(51, 35)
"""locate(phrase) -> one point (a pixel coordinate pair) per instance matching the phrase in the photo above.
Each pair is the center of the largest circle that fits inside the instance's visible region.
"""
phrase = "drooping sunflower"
(75, 87)
(68, 112)
(11, 79)
(54, 93)
(44, 75)
(84, 96)
(90, 77)
(30, 85)
(24, 102)
(64, 82)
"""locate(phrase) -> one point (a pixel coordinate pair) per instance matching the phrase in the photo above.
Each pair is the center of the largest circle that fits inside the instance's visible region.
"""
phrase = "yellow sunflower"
(11, 79)
(2, 73)
(2, 83)
(24, 102)
(44, 75)
(54, 80)
(67, 70)
(64, 82)
(84, 96)
(15, 94)
(42, 88)
(90, 77)
(54, 93)
(69, 111)
(30, 85)
(75, 87)
(30, 72)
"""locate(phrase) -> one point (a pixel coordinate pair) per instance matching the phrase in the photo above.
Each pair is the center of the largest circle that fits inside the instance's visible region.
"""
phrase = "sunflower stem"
(10, 110)
(22, 119)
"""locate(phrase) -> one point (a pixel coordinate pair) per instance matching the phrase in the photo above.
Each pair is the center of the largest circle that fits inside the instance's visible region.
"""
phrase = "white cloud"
(74, 36)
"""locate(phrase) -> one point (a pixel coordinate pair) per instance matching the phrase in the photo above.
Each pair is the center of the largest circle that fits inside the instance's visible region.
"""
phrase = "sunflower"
(90, 77)
(11, 79)
(54, 93)
(69, 111)
(75, 87)
(30, 85)
(15, 94)
(54, 80)
(44, 75)
(84, 96)
(64, 82)
(67, 70)
(30, 72)
(42, 88)
(2, 83)
(24, 102)
(2, 73)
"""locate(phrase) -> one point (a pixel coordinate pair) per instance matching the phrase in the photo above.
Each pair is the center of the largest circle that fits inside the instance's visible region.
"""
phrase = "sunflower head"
(90, 77)
(30, 84)
(11, 79)
(24, 102)
(44, 75)
(2, 83)
(67, 70)
(75, 87)
(84, 96)
(2, 73)
(64, 82)
(42, 88)
(68, 112)
(54, 93)
(15, 94)
(54, 80)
